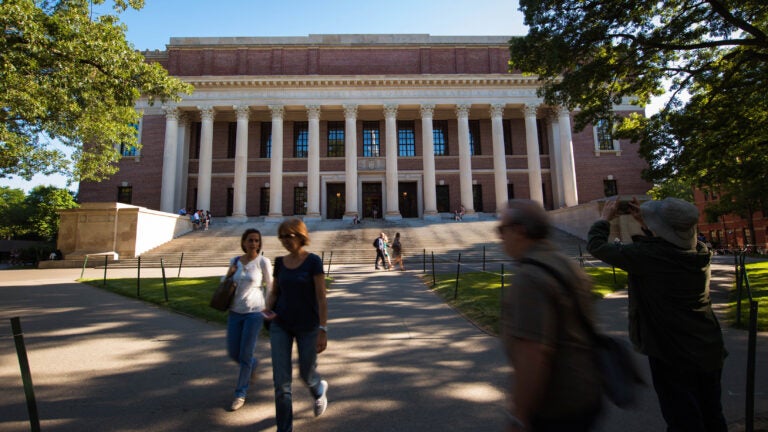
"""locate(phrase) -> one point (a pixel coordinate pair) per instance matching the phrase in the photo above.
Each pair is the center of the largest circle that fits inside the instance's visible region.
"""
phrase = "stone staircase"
(340, 242)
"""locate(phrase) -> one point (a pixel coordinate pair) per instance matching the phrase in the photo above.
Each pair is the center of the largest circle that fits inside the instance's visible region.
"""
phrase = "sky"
(153, 26)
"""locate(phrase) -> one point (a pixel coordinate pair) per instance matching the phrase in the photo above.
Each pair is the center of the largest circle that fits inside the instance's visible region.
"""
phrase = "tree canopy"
(72, 77)
(34, 215)
(710, 55)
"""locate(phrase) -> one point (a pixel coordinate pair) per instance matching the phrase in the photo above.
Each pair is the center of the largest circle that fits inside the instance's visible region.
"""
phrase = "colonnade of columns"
(566, 186)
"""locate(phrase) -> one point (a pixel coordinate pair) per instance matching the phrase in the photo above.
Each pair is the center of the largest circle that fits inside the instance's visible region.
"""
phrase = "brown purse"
(224, 293)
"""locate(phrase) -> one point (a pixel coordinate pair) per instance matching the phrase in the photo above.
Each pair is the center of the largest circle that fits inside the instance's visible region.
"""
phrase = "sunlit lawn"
(478, 296)
(189, 296)
(757, 275)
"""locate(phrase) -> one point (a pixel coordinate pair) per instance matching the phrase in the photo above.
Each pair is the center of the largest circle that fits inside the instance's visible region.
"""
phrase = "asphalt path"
(398, 359)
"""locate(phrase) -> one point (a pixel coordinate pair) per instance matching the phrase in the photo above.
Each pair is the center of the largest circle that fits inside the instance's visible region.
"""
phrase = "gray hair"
(530, 215)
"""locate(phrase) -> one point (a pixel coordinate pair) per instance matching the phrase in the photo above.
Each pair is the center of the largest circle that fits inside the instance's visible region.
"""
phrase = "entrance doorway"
(336, 201)
(406, 199)
(372, 200)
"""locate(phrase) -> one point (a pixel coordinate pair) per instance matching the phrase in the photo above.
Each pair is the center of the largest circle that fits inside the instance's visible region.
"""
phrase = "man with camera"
(670, 312)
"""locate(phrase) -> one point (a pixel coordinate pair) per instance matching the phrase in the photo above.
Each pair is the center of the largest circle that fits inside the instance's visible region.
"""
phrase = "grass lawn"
(757, 274)
(189, 296)
(479, 294)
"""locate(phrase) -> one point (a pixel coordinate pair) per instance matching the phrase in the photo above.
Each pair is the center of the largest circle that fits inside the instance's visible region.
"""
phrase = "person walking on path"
(385, 249)
(670, 311)
(380, 248)
(298, 310)
(557, 385)
(251, 271)
(397, 252)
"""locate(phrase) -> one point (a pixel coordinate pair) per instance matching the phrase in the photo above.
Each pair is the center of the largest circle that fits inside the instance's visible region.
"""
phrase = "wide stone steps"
(340, 242)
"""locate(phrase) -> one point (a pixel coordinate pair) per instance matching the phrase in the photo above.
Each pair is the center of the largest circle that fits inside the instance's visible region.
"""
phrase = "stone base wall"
(122, 229)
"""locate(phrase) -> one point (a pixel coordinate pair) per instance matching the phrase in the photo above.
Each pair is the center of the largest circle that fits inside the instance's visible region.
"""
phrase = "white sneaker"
(237, 404)
(321, 403)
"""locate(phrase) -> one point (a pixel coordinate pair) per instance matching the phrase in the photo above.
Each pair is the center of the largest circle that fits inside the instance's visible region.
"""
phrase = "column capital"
(427, 110)
(390, 111)
(462, 110)
(529, 110)
(243, 111)
(171, 112)
(350, 111)
(277, 111)
(206, 112)
(313, 112)
(497, 110)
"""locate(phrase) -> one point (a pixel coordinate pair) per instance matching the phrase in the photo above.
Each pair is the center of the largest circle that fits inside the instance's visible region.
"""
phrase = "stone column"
(532, 149)
(205, 162)
(428, 146)
(313, 164)
(499, 157)
(241, 164)
(555, 160)
(170, 147)
(570, 190)
(182, 162)
(392, 206)
(465, 160)
(350, 156)
(276, 166)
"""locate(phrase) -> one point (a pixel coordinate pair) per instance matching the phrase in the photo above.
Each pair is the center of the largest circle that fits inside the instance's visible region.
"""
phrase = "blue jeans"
(282, 347)
(242, 333)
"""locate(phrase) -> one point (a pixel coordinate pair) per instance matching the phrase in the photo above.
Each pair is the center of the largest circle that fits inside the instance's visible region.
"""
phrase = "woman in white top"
(252, 271)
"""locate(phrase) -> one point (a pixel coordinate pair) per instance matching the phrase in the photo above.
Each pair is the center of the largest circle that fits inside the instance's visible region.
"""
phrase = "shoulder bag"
(224, 293)
(618, 372)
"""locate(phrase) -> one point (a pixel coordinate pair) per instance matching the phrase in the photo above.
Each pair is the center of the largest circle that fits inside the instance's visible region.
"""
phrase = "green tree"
(45, 202)
(68, 76)
(13, 213)
(713, 57)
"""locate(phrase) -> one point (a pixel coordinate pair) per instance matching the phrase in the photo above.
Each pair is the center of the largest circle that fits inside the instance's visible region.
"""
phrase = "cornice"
(401, 81)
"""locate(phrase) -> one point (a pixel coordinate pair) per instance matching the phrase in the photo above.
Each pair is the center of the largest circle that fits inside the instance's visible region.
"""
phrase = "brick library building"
(360, 126)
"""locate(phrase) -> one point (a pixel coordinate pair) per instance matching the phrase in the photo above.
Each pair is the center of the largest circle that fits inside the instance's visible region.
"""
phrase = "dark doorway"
(230, 201)
(336, 201)
(443, 199)
(372, 200)
(406, 196)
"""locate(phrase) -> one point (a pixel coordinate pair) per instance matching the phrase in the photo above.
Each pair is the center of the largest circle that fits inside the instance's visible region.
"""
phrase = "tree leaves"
(73, 78)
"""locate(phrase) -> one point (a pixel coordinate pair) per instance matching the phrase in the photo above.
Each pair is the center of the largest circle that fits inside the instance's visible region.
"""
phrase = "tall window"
(510, 190)
(335, 139)
(300, 200)
(604, 135)
(266, 140)
(440, 134)
(541, 132)
(231, 140)
(371, 141)
(507, 129)
(300, 139)
(195, 138)
(474, 137)
(124, 194)
(406, 138)
(131, 150)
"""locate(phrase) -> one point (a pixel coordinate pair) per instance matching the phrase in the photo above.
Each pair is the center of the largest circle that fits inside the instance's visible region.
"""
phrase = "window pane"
(604, 137)
(124, 194)
(474, 137)
(129, 150)
(406, 139)
(264, 201)
(507, 128)
(266, 140)
(440, 134)
(610, 188)
(335, 139)
(371, 142)
(231, 140)
(300, 200)
(301, 139)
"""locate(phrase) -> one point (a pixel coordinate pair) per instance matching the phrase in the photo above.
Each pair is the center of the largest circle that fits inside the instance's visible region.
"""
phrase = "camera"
(623, 208)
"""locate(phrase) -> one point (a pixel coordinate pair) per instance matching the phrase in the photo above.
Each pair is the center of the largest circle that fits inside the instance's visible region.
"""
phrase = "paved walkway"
(398, 360)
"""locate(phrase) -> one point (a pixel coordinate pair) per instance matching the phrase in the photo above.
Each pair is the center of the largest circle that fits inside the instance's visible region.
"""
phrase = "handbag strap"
(569, 288)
